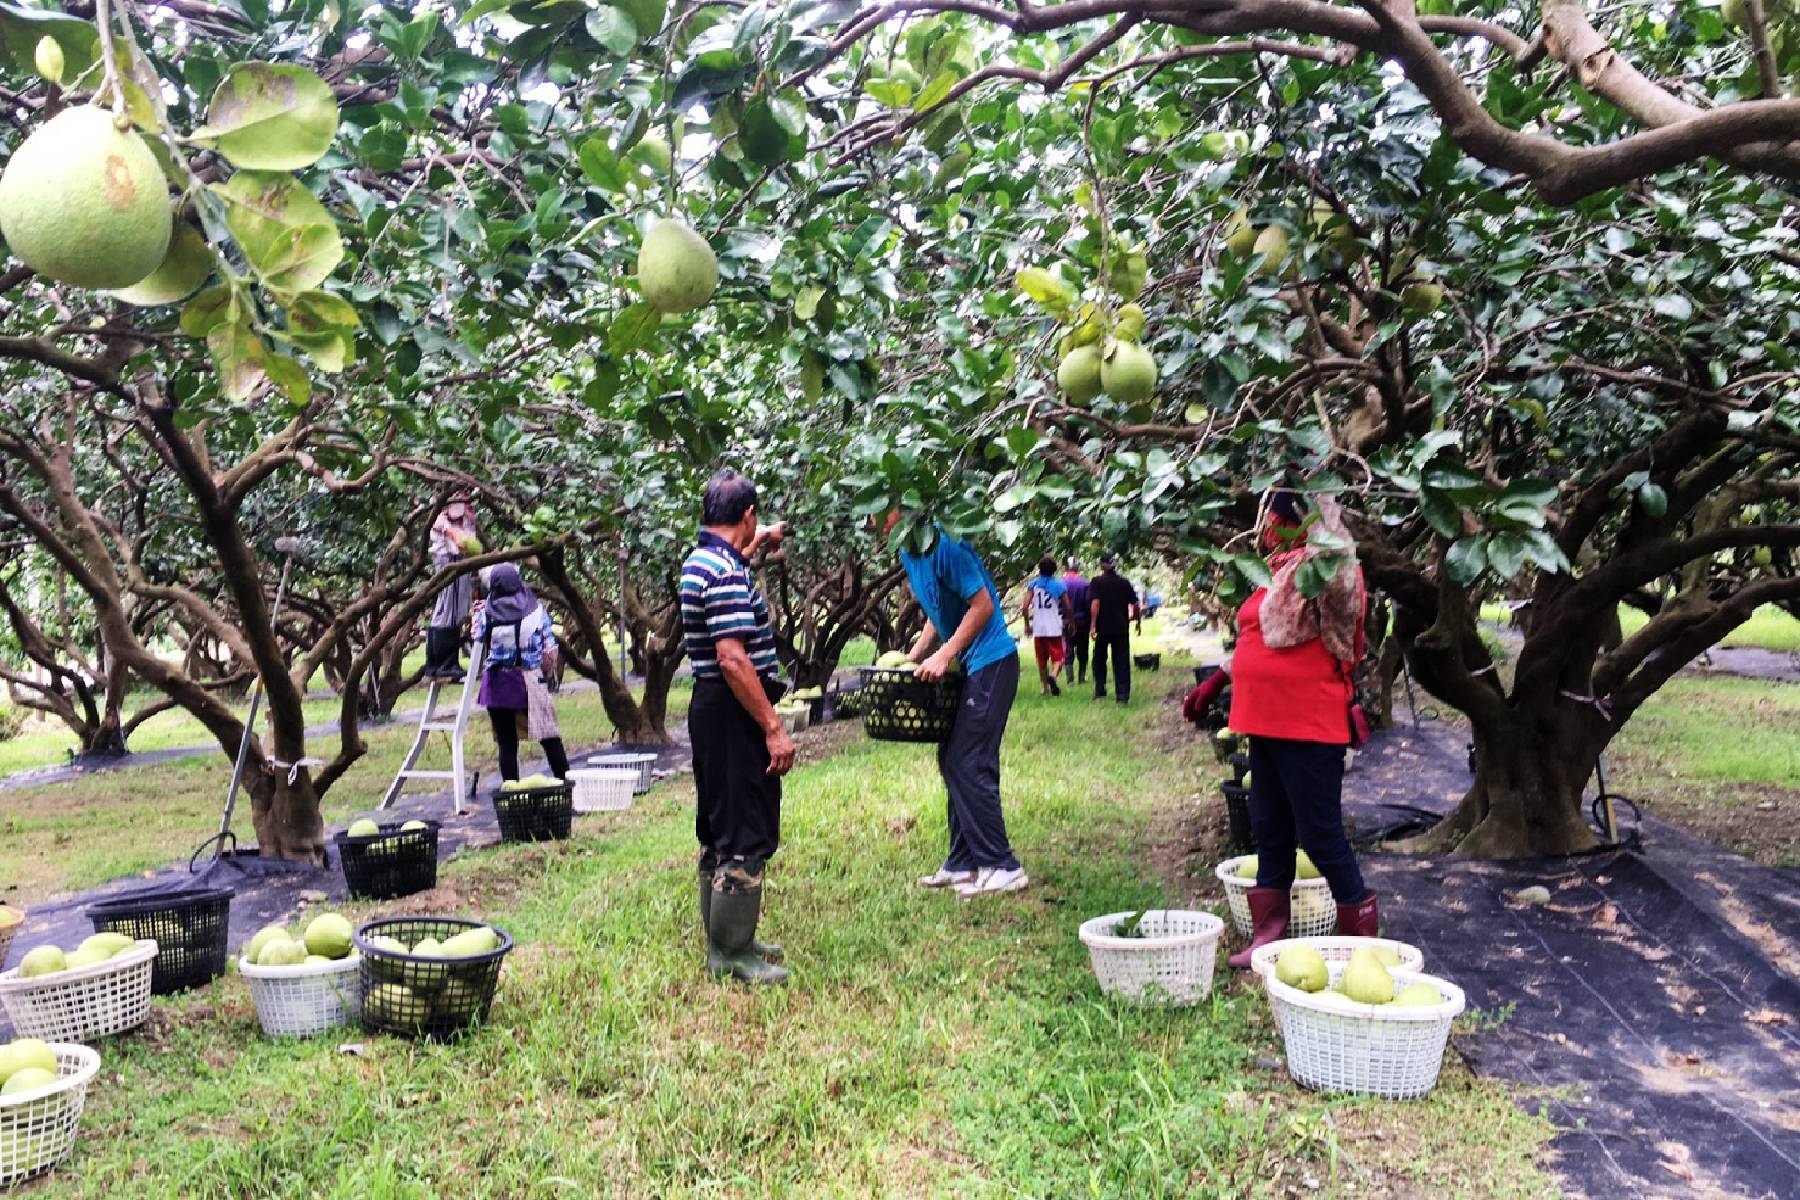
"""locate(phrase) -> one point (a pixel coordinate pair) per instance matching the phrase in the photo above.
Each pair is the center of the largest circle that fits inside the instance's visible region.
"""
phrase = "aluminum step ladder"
(430, 722)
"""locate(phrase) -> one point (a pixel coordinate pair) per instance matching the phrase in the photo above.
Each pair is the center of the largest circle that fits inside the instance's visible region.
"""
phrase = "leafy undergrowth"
(99, 827)
(926, 1047)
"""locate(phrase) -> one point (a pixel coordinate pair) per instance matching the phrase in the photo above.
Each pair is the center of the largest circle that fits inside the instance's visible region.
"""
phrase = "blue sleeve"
(960, 570)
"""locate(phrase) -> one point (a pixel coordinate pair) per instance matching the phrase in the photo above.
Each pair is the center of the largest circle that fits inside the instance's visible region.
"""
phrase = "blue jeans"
(969, 760)
(1297, 799)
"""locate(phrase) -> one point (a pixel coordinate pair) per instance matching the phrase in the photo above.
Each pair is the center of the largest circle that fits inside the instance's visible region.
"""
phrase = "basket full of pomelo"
(537, 808)
(101, 987)
(304, 983)
(431, 977)
(898, 706)
(43, 1089)
(1311, 910)
(389, 860)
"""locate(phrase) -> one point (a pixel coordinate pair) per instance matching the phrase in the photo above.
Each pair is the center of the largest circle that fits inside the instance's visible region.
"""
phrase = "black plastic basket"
(535, 814)
(1240, 767)
(390, 864)
(1237, 813)
(821, 709)
(1202, 674)
(1147, 662)
(899, 707)
(848, 704)
(431, 997)
(189, 927)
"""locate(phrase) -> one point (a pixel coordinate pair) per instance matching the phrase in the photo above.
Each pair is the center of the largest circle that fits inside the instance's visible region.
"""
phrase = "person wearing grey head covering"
(517, 642)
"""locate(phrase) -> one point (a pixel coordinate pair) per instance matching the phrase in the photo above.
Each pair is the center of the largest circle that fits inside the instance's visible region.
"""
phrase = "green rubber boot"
(768, 951)
(731, 936)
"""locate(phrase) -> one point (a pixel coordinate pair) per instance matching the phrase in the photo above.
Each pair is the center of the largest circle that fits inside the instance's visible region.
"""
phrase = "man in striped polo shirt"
(741, 748)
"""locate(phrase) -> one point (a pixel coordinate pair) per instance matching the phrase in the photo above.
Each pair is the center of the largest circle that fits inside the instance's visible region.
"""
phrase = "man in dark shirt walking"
(1075, 654)
(741, 748)
(1114, 606)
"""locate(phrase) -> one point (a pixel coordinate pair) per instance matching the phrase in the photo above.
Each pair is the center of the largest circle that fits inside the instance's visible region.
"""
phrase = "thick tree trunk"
(1530, 771)
(286, 816)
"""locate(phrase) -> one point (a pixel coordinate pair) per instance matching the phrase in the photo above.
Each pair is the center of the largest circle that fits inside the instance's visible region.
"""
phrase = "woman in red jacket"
(1294, 704)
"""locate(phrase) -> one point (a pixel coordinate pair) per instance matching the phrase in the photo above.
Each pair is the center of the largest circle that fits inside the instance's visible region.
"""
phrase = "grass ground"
(87, 831)
(925, 1048)
(1720, 756)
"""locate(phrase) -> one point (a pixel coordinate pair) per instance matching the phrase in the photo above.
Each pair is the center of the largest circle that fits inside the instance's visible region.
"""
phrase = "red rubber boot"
(1268, 921)
(1359, 919)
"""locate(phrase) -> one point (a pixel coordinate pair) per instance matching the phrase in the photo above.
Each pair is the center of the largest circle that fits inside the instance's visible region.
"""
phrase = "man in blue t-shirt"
(963, 610)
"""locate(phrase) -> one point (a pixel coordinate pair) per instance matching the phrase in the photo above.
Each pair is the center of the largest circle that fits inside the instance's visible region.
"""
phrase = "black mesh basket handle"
(189, 928)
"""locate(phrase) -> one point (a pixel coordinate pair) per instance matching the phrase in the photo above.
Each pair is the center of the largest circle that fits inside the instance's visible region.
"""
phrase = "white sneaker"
(991, 881)
(943, 877)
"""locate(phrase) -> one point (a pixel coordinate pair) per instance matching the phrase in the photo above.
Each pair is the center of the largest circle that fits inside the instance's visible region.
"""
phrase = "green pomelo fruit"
(414, 826)
(1079, 374)
(1389, 956)
(108, 943)
(28, 1080)
(85, 958)
(393, 1004)
(313, 960)
(84, 203)
(1366, 981)
(457, 1003)
(1129, 327)
(25, 1054)
(1128, 372)
(1240, 235)
(188, 264)
(1272, 247)
(364, 828)
(1421, 299)
(470, 544)
(1246, 868)
(677, 270)
(1127, 273)
(653, 151)
(478, 940)
(1736, 13)
(328, 934)
(1419, 995)
(428, 948)
(1302, 967)
(1303, 866)
(281, 952)
(1334, 999)
(45, 960)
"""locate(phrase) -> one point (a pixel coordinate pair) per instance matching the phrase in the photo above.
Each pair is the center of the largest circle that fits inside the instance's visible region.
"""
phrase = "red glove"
(1194, 707)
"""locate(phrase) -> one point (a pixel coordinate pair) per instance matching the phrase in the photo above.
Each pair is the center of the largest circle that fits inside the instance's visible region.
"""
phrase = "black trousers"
(969, 760)
(1297, 798)
(506, 737)
(1116, 645)
(1075, 651)
(739, 812)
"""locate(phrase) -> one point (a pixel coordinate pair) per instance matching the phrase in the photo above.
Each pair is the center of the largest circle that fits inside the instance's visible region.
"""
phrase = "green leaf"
(325, 327)
(1466, 560)
(285, 233)
(806, 301)
(482, 8)
(934, 92)
(208, 311)
(1043, 286)
(894, 93)
(1506, 554)
(632, 328)
(613, 29)
(266, 117)
(600, 164)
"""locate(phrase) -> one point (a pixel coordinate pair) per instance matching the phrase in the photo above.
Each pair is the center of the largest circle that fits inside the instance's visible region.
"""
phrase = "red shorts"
(1049, 651)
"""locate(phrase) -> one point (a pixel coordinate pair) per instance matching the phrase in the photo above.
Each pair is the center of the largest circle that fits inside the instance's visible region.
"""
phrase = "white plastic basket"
(1311, 910)
(603, 789)
(37, 1128)
(643, 764)
(85, 1003)
(1172, 964)
(305, 999)
(1387, 1050)
(793, 719)
(1336, 952)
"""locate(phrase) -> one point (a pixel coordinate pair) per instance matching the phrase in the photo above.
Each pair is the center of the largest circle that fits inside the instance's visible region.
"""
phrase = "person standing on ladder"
(518, 646)
(741, 747)
(454, 535)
